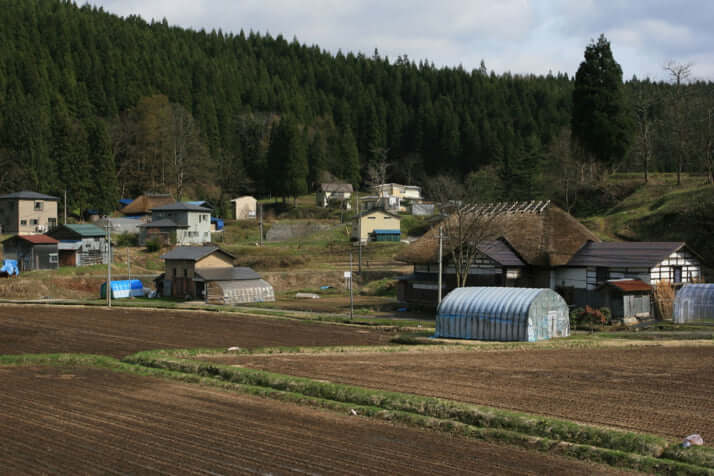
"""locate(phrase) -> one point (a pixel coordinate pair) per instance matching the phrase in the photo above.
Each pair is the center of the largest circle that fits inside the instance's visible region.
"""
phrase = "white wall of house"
(199, 225)
(684, 262)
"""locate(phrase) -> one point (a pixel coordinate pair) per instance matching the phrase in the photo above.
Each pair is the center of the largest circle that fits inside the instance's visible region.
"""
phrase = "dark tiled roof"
(165, 223)
(500, 252)
(227, 274)
(192, 253)
(645, 254)
(28, 195)
(181, 206)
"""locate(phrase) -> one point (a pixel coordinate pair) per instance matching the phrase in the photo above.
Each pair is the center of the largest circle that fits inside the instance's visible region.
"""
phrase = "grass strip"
(483, 417)
(613, 457)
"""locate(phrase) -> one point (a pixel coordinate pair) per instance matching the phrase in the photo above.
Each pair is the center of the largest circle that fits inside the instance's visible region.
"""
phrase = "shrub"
(154, 244)
(127, 239)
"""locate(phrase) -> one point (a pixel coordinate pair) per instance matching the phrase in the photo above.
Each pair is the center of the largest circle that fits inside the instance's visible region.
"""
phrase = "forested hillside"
(105, 107)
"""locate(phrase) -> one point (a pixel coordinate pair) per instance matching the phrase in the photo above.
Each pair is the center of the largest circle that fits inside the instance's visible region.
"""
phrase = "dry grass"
(664, 300)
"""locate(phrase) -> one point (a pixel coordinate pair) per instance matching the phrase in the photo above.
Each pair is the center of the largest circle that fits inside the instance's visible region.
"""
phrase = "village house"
(596, 264)
(339, 194)
(32, 251)
(80, 245)
(244, 208)
(394, 197)
(375, 225)
(207, 273)
(140, 208)
(27, 213)
(525, 245)
(178, 223)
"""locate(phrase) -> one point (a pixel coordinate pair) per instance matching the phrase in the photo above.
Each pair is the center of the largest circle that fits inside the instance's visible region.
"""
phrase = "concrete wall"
(244, 208)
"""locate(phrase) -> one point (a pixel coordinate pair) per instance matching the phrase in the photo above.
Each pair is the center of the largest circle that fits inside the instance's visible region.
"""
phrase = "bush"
(127, 239)
(154, 244)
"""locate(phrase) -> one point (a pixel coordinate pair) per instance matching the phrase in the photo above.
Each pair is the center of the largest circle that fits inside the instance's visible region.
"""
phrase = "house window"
(34, 221)
(185, 273)
(23, 222)
(174, 272)
(39, 206)
(601, 274)
(372, 218)
(52, 222)
(54, 258)
(677, 272)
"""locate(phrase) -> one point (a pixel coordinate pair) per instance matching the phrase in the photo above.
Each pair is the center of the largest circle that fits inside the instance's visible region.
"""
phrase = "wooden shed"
(626, 298)
(32, 251)
(81, 245)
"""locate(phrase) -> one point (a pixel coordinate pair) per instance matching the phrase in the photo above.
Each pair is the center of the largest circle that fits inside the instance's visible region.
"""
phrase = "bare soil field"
(118, 332)
(661, 390)
(90, 421)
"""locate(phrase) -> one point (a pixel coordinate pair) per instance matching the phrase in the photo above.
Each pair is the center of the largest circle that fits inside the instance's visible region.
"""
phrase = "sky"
(520, 36)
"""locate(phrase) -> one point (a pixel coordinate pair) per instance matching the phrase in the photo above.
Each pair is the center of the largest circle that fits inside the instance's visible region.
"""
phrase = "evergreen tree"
(104, 193)
(350, 159)
(599, 122)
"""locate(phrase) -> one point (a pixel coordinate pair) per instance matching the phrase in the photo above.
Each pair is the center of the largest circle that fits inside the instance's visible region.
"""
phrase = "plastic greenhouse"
(503, 314)
(694, 302)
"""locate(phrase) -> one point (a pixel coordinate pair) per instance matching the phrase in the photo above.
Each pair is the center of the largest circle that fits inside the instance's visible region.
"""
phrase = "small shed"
(244, 208)
(503, 314)
(81, 245)
(694, 302)
(626, 298)
(237, 285)
(32, 251)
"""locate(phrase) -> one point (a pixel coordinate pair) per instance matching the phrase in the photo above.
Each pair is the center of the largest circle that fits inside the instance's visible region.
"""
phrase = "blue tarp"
(124, 289)
(387, 232)
(9, 266)
(125, 201)
(218, 222)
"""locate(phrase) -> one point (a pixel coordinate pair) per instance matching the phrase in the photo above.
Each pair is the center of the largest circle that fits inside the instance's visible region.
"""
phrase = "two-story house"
(178, 223)
(27, 213)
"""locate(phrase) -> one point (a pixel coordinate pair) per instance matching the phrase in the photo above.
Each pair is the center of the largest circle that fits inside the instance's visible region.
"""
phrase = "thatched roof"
(541, 233)
(143, 204)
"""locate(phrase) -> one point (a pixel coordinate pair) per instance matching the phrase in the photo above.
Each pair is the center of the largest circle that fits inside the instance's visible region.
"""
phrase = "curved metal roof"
(694, 302)
(493, 302)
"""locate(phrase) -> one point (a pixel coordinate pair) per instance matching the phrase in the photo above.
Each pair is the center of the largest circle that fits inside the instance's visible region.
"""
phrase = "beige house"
(207, 273)
(244, 208)
(393, 196)
(337, 193)
(367, 223)
(27, 213)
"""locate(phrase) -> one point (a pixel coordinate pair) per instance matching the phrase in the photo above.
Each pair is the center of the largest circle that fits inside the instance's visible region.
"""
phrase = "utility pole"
(360, 257)
(441, 252)
(108, 287)
(65, 206)
(351, 297)
(260, 222)
(128, 263)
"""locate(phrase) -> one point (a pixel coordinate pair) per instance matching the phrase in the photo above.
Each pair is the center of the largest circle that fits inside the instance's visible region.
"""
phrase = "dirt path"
(122, 331)
(92, 421)
(663, 390)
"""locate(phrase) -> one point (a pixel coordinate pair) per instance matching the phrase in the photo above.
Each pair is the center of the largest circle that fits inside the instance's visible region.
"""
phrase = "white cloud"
(522, 36)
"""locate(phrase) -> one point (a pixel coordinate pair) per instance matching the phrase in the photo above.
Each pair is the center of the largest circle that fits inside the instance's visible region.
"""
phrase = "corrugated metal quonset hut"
(503, 314)
(694, 302)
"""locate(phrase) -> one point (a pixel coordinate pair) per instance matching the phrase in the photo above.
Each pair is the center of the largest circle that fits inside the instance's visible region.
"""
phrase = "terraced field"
(122, 331)
(655, 389)
(79, 420)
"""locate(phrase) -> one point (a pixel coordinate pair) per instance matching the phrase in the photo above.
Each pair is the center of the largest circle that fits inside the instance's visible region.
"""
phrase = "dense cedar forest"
(108, 107)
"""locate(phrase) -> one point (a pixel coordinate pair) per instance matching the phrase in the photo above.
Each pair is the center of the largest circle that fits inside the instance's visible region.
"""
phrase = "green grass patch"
(620, 448)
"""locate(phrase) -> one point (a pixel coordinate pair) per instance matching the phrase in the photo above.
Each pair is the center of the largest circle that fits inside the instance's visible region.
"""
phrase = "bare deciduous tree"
(378, 171)
(679, 73)
(466, 225)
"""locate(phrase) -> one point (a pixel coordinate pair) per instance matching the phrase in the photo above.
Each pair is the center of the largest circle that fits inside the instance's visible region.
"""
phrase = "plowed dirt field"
(121, 331)
(78, 420)
(662, 390)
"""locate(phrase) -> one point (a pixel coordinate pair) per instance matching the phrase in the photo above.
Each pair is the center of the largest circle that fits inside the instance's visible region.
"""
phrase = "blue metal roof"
(387, 232)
